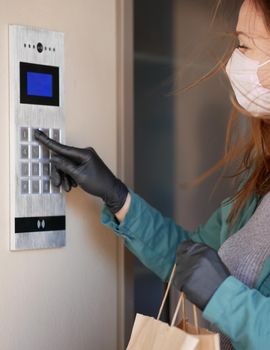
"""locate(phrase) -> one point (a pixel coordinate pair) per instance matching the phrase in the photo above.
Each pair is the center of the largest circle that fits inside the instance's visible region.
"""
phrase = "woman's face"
(254, 38)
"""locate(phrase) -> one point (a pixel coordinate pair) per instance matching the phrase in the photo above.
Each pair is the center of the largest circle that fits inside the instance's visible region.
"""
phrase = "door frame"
(125, 158)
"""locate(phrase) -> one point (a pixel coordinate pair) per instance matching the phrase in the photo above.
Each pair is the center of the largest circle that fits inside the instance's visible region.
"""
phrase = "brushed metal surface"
(33, 116)
(37, 240)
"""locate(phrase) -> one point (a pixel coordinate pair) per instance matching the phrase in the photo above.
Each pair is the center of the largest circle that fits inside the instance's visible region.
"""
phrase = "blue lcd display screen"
(39, 84)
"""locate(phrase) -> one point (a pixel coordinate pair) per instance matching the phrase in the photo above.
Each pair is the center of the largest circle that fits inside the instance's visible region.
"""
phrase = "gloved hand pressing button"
(82, 166)
(199, 272)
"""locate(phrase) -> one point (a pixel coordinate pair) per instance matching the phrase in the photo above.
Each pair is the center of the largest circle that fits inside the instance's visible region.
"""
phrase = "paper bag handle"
(180, 301)
(195, 317)
(166, 293)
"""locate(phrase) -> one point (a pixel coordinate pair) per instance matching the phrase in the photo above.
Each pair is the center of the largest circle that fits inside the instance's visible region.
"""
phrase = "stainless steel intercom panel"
(37, 209)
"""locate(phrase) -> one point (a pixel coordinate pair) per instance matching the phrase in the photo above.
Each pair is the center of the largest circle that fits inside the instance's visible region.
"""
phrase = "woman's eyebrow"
(242, 33)
(251, 36)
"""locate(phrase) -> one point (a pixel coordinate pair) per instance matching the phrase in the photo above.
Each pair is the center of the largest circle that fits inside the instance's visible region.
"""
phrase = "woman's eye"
(239, 46)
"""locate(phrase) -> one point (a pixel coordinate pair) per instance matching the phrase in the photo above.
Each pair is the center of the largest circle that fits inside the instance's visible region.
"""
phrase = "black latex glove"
(82, 166)
(199, 272)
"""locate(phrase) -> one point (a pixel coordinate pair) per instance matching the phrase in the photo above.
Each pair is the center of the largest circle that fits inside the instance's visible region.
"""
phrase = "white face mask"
(250, 94)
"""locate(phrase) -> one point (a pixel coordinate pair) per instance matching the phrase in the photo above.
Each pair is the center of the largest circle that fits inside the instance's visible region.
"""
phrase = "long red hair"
(251, 151)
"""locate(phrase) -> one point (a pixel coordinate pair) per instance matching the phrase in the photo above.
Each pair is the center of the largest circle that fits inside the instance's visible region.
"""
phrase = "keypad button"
(46, 132)
(35, 186)
(35, 169)
(46, 186)
(24, 134)
(46, 169)
(24, 169)
(45, 152)
(24, 187)
(56, 135)
(24, 152)
(33, 135)
(35, 152)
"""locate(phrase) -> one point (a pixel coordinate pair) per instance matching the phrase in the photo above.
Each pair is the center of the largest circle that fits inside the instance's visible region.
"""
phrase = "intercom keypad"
(34, 162)
(36, 101)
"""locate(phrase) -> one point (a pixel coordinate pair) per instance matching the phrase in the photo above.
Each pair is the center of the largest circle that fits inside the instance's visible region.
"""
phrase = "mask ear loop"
(263, 64)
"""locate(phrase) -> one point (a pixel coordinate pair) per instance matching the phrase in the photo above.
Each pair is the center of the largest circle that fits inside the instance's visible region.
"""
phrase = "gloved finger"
(55, 177)
(178, 286)
(66, 184)
(72, 181)
(65, 165)
(189, 247)
(184, 247)
(77, 155)
(179, 281)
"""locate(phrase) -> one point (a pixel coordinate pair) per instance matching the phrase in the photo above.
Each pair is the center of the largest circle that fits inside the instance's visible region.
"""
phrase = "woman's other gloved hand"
(199, 272)
(76, 166)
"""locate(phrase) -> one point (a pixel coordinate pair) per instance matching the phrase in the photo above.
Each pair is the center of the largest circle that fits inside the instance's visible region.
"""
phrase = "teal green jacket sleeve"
(154, 238)
(241, 313)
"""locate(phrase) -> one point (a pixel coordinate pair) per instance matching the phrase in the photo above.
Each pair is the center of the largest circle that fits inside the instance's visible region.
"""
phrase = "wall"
(65, 298)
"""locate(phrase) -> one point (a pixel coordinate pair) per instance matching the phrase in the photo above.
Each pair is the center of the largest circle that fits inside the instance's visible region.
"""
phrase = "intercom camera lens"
(39, 47)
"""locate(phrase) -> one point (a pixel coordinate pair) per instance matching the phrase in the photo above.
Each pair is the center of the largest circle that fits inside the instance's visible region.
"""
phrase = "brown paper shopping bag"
(207, 340)
(149, 333)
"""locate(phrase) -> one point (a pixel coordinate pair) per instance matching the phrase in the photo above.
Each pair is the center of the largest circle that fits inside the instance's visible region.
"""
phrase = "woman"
(224, 266)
